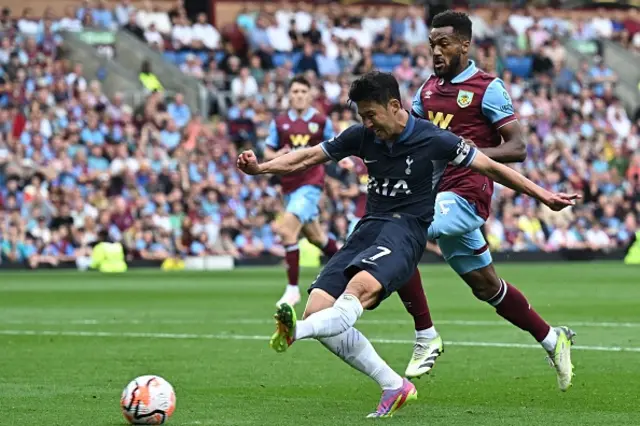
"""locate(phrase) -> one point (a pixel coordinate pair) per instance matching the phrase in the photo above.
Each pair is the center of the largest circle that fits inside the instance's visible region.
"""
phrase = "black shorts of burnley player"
(405, 157)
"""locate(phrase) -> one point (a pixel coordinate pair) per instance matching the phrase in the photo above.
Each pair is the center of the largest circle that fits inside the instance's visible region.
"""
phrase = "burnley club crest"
(313, 127)
(464, 98)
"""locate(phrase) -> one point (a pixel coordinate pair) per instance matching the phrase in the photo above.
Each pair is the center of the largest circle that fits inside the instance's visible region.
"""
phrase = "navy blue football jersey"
(404, 175)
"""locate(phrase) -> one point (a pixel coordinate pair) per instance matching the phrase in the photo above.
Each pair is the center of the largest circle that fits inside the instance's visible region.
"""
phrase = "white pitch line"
(182, 336)
(465, 323)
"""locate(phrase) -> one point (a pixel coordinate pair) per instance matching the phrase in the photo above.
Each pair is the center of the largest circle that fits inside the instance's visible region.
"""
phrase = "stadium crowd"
(162, 179)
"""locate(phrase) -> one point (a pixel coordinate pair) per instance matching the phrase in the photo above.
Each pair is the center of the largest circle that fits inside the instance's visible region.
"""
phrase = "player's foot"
(291, 296)
(560, 357)
(425, 354)
(393, 400)
(285, 326)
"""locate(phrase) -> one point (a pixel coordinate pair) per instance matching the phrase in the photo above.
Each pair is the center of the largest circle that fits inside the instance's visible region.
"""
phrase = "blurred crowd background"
(159, 175)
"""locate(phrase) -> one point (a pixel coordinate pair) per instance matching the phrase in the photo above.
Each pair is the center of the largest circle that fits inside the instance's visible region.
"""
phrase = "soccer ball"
(148, 400)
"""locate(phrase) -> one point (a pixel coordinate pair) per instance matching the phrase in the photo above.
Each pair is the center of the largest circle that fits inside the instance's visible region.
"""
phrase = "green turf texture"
(70, 342)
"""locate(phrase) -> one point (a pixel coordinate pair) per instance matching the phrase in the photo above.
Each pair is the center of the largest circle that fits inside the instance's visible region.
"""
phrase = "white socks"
(354, 349)
(549, 342)
(429, 333)
(332, 321)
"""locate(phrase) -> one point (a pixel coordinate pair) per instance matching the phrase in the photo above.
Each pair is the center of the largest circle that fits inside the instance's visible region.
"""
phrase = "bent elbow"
(520, 152)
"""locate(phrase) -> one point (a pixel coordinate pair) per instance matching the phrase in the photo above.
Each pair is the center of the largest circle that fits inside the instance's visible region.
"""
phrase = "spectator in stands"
(206, 33)
(179, 111)
(244, 85)
(153, 37)
(133, 27)
(192, 66)
(149, 80)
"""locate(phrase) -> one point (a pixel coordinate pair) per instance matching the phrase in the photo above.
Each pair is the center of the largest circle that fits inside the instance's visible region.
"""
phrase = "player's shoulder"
(482, 80)
(431, 81)
(424, 130)
(281, 119)
(319, 116)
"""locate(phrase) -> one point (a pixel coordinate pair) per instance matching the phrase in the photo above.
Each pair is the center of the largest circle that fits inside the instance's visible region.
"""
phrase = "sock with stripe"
(292, 261)
(511, 305)
(330, 248)
(415, 302)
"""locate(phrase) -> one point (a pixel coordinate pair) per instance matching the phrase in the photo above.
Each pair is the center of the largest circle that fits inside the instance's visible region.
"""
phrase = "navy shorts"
(388, 248)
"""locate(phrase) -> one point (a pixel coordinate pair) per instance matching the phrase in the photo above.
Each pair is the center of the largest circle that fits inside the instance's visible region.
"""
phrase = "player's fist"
(248, 163)
(559, 201)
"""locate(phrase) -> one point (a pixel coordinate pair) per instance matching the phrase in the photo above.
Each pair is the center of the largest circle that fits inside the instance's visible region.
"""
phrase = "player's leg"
(464, 248)
(316, 236)
(350, 345)
(289, 228)
(299, 210)
(513, 306)
(428, 346)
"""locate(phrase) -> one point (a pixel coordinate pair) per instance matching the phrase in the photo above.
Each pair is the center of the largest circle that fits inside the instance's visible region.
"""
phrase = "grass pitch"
(70, 342)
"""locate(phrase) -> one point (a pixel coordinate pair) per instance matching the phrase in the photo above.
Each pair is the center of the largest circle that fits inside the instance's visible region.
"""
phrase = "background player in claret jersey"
(475, 105)
(405, 158)
(301, 127)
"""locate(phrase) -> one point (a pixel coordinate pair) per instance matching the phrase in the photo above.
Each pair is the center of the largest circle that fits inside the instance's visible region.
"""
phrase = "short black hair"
(375, 86)
(300, 80)
(458, 20)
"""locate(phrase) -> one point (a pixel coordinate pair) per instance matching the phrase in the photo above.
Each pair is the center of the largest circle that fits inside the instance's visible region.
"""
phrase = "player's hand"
(248, 163)
(346, 163)
(558, 201)
(469, 142)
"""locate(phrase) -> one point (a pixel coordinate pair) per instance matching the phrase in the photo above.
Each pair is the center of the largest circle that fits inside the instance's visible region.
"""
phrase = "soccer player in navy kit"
(405, 157)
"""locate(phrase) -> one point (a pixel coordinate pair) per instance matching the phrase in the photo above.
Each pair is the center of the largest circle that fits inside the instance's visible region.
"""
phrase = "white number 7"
(383, 252)
(443, 206)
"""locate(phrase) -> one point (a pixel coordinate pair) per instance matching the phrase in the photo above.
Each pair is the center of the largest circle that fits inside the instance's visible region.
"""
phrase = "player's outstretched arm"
(294, 161)
(514, 180)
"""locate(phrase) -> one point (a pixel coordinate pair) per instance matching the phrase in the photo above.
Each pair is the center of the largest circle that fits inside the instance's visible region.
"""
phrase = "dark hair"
(375, 86)
(458, 20)
(300, 80)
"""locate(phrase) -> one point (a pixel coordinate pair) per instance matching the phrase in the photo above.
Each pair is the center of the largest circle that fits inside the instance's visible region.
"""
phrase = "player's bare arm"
(514, 180)
(514, 147)
(294, 161)
(270, 153)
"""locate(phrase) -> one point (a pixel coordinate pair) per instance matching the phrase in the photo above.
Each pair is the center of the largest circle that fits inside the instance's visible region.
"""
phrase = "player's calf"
(513, 306)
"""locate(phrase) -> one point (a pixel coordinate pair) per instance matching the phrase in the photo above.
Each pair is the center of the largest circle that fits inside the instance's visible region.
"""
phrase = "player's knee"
(288, 236)
(484, 283)
(319, 300)
(365, 287)
(317, 241)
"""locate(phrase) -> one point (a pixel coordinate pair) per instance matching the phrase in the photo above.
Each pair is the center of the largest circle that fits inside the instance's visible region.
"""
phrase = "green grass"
(70, 342)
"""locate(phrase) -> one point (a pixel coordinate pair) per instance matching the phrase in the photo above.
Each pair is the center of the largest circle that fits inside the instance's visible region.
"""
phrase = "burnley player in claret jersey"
(476, 106)
(405, 158)
(299, 128)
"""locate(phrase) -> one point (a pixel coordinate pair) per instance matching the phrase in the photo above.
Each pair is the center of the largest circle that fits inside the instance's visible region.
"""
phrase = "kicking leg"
(354, 349)
(513, 306)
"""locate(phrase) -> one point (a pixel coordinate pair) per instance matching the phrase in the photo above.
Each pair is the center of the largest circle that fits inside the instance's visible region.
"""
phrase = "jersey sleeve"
(328, 132)
(416, 105)
(273, 140)
(497, 105)
(345, 144)
(453, 148)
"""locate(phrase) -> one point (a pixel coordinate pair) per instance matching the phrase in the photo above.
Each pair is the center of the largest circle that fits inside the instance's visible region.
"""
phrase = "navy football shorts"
(388, 248)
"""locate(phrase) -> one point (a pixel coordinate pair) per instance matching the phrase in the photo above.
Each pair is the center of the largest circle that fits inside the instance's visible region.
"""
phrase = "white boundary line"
(147, 321)
(182, 336)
